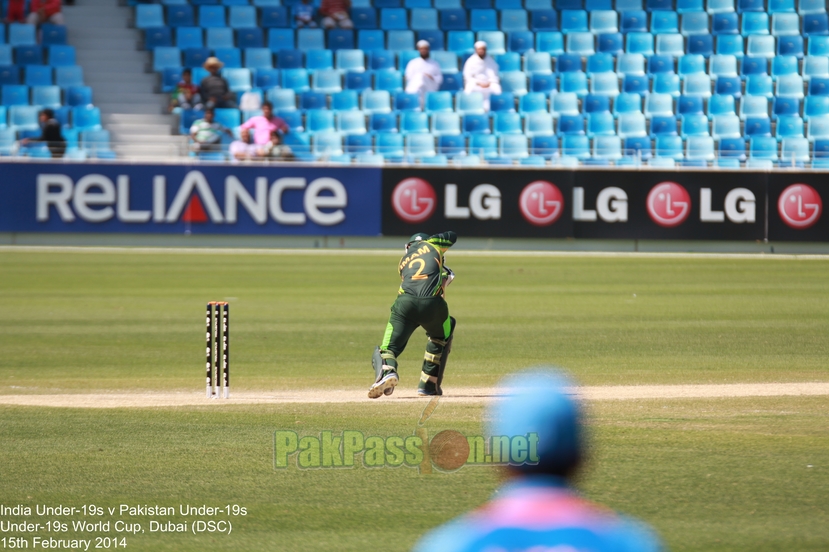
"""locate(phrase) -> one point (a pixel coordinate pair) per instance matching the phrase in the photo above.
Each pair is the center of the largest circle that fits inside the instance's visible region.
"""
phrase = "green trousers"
(409, 312)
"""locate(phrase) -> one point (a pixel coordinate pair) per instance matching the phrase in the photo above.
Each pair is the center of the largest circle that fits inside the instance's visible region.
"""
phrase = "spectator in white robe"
(480, 74)
(423, 73)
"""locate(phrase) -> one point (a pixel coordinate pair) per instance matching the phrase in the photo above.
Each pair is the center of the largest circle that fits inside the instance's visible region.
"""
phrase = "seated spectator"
(50, 134)
(207, 133)
(214, 89)
(423, 74)
(480, 74)
(263, 125)
(276, 150)
(537, 507)
(335, 14)
(304, 15)
(15, 12)
(244, 149)
(186, 95)
(45, 11)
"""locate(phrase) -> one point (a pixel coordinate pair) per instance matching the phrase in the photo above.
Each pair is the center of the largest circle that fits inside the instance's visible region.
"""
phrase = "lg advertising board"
(179, 199)
(685, 205)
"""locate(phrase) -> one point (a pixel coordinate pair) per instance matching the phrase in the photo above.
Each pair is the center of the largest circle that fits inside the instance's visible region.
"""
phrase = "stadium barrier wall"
(351, 201)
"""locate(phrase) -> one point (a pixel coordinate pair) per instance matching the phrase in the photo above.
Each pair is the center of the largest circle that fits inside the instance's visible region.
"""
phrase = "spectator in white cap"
(480, 74)
(423, 73)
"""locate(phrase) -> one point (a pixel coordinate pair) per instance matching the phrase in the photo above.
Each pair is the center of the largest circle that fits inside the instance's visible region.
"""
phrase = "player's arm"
(444, 240)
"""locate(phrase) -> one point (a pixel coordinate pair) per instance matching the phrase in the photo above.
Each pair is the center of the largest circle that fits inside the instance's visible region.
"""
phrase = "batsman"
(420, 302)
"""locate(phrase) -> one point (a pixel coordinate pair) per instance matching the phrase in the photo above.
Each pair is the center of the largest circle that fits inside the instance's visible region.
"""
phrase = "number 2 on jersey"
(417, 275)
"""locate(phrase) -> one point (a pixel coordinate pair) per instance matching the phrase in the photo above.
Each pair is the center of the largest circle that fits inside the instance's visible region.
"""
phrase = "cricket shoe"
(428, 389)
(384, 385)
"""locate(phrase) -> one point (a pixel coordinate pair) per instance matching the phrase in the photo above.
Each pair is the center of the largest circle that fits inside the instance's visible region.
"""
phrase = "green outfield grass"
(711, 475)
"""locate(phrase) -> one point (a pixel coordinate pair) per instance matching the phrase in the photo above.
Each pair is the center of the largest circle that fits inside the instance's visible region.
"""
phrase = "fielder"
(420, 302)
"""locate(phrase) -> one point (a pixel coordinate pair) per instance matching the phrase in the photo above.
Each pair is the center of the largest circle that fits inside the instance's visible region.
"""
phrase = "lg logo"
(800, 206)
(541, 203)
(415, 200)
(669, 204)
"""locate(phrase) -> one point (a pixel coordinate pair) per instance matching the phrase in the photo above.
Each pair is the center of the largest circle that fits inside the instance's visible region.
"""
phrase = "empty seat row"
(36, 55)
(42, 75)
(47, 96)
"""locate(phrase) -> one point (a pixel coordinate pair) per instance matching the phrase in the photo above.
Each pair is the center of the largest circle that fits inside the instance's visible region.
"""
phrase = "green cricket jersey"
(421, 268)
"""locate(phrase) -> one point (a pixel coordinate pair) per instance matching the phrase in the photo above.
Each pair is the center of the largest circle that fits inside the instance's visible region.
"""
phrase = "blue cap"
(535, 402)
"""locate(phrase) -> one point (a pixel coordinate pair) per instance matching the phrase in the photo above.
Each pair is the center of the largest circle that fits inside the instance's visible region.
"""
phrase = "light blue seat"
(760, 46)
(506, 122)
(607, 147)
(347, 100)
(550, 42)
(755, 23)
(691, 64)
(437, 160)
(306, 39)
(371, 39)
(319, 120)
(509, 61)
(75, 95)
(239, 80)
(627, 103)
(815, 66)
(393, 19)
(601, 123)
(658, 105)
(445, 123)
(327, 144)
(424, 19)
(400, 40)
(283, 99)
(166, 56)
(533, 160)
(790, 86)
(405, 56)
(600, 63)
(670, 45)
(468, 103)
(15, 94)
(666, 83)
(575, 146)
(96, 142)
(296, 79)
(222, 37)
(763, 147)
(818, 46)
(818, 128)
(85, 117)
(669, 147)
(815, 106)
(719, 6)
(699, 148)
(721, 104)
(212, 16)
(581, 44)
(538, 123)
(639, 43)
(46, 96)
(146, 16)
(697, 85)
(6, 55)
(722, 66)
(565, 103)
(794, 150)
(230, 57)
(730, 45)
(258, 58)
(229, 117)
(694, 23)
(604, 21)
(575, 82)
(514, 20)
(630, 64)
(784, 24)
(350, 60)
(448, 61)
(460, 42)
(725, 126)
(664, 21)
(606, 83)
(662, 162)
(537, 63)
(759, 85)
(376, 101)
(694, 125)
(811, 6)
(495, 41)
(438, 101)
(515, 82)
(789, 126)
(388, 79)
(242, 17)
(573, 21)
(327, 81)
(316, 60)
(783, 65)
(420, 145)
(632, 125)
(513, 146)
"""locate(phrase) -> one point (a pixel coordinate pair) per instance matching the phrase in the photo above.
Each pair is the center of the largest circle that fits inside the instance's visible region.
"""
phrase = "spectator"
(214, 89)
(15, 11)
(45, 11)
(423, 74)
(244, 149)
(304, 15)
(207, 133)
(186, 95)
(264, 124)
(276, 150)
(335, 14)
(537, 508)
(480, 74)
(50, 134)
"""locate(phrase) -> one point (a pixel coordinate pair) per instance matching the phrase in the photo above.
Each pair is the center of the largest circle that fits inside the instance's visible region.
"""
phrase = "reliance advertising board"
(178, 199)
(325, 201)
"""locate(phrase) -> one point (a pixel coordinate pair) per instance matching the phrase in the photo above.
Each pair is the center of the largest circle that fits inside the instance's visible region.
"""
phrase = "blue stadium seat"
(195, 57)
(180, 16)
(275, 16)
(515, 82)
(506, 122)
(51, 35)
(818, 46)
(754, 106)
(638, 147)
(394, 19)
(453, 20)
(509, 61)
(604, 21)
(635, 21)
(600, 123)
(251, 38)
(350, 60)
(37, 75)
(663, 125)
(238, 79)
(664, 22)
(327, 144)
(610, 43)
(438, 101)
(476, 123)
(420, 145)
(445, 124)
(815, 66)
(659, 105)
(78, 95)
(460, 41)
(340, 39)
(513, 21)
(211, 16)
(725, 126)
(702, 44)
(636, 84)
(86, 118)
(376, 101)
(433, 37)
(15, 94)
(725, 23)
(347, 100)
(755, 23)
(728, 85)
(549, 42)
(266, 78)
(669, 147)
(694, 125)
(575, 82)
(759, 85)
(574, 21)
(157, 36)
(790, 46)
(371, 39)
(471, 102)
(383, 122)
(694, 23)
(364, 18)
(639, 43)
(523, 41)
(533, 102)
(730, 45)
(570, 124)
(406, 102)
(763, 147)
(699, 148)
(632, 125)
(789, 126)
(543, 20)
(9, 74)
(242, 17)
(357, 143)
(164, 57)
(295, 79)
(753, 66)
(483, 20)
(231, 57)
(28, 55)
(327, 81)
(720, 104)
(577, 146)
(400, 40)
(750, 6)
(69, 76)
(733, 148)
(390, 145)
(513, 146)
(815, 106)
(452, 145)
(544, 146)
(292, 59)
(220, 37)
(760, 46)
(283, 99)
(722, 66)
(818, 128)
(544, 83)
(790, 86)
(306, 39)
(819, 87)
(381, 59)
(319, 120)
(146, 16)
(258, 58)
(228, 117)
(389, 79)
(357, 80)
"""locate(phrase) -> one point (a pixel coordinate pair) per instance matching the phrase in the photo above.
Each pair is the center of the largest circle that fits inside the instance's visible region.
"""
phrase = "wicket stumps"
(218, 349)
